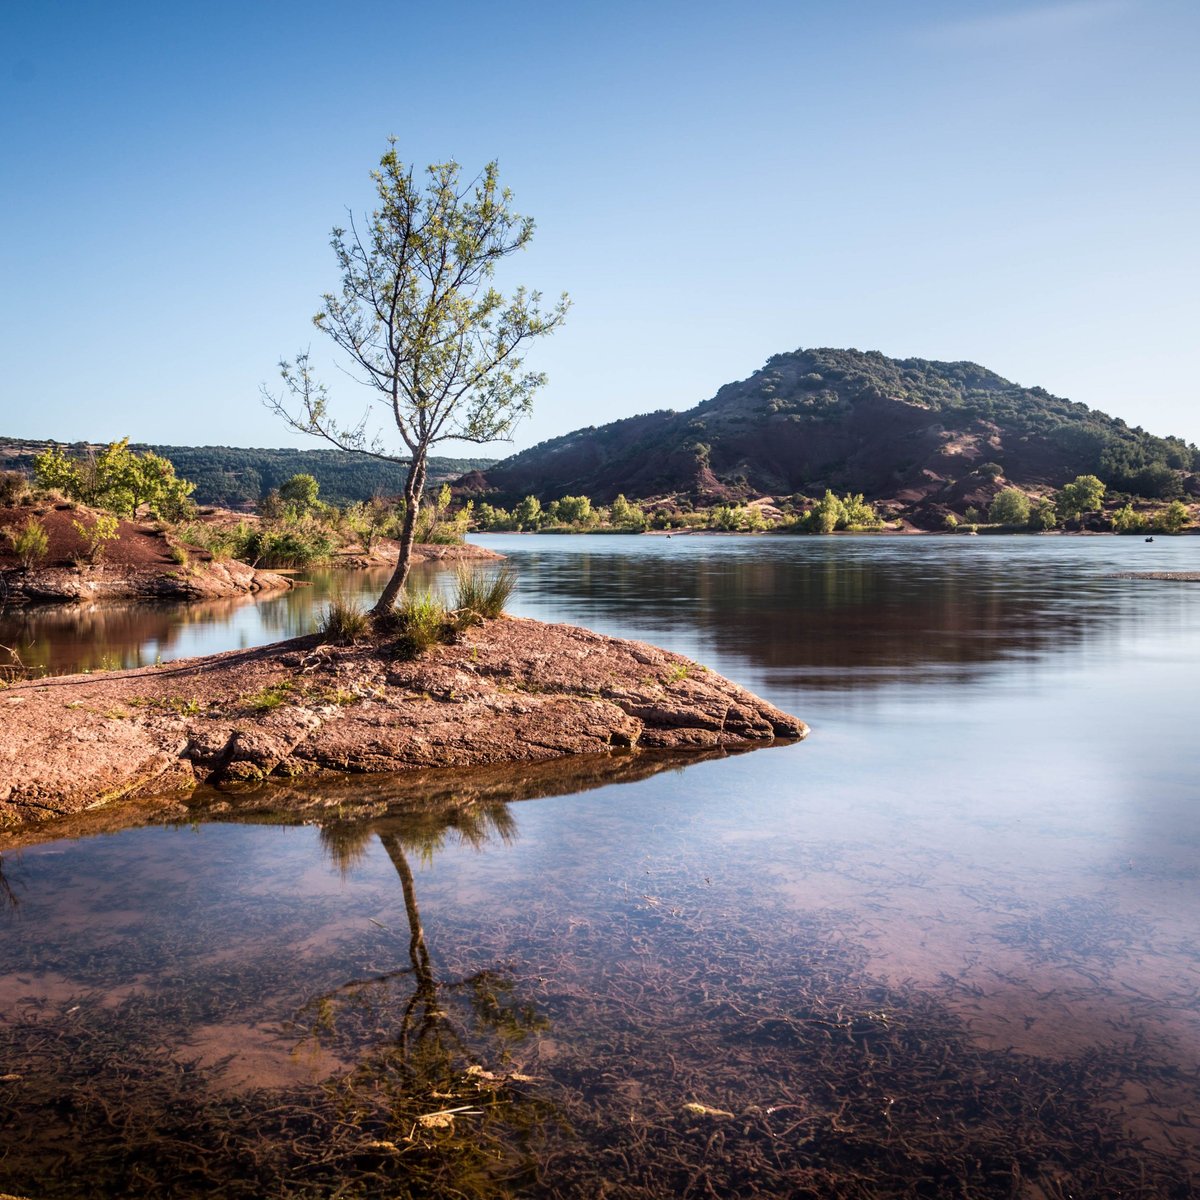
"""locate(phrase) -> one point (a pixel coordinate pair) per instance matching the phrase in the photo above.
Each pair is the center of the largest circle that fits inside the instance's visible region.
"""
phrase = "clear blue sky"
(1014, 183)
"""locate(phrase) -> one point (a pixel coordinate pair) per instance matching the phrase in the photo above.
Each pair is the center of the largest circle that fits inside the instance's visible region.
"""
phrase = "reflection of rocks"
(60, 638)
(353, 808)
(510, 691)
(441, 793)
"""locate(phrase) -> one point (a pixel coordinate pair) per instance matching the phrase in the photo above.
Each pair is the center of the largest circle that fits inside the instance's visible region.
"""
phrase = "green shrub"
(105, 528)
(1125, 520)
(1043, 516)
(483, 595)
(626, 515)
(30, 543)
(369, 520)
(289, 546)
(571, 510)
(344, 621)
(1173, 518)
(1082, 495)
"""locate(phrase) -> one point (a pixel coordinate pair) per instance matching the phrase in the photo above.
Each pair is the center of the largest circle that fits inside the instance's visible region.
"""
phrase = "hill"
(925, 435)
(233, 477)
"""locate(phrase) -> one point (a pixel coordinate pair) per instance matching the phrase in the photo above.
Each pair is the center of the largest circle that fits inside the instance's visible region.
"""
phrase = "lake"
(945, 947)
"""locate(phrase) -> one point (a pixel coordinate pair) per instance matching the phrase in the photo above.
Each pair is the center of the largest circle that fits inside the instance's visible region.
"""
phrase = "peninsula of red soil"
(141, 563)
(147, 562)
(509, 691)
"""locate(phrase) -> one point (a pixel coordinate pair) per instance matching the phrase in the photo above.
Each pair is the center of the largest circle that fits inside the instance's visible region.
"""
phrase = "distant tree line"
(235, 477)
(1013, 511)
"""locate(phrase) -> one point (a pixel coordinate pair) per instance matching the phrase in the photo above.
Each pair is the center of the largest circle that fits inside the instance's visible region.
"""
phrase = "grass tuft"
(480, 596)
(344, 621)
(421, 621)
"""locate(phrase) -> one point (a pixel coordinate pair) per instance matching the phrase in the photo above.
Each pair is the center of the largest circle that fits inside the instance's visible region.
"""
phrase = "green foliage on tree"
(300, 493)
(737, 518)
(1043, 516)
(369, 520)
(1010, 507)
(528, 514)
(848, 512)
(858, 513)
(625, 515)
(571, 510)
(423, 327)
(1173, 519)
(1082, 495)
(117, 479)
(492, 519)
(825, 515)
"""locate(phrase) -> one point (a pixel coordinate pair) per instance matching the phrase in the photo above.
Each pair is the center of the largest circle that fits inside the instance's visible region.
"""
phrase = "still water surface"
(948, 946)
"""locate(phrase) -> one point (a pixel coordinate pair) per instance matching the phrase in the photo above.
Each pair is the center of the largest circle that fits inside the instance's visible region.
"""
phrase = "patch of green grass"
(270, 697)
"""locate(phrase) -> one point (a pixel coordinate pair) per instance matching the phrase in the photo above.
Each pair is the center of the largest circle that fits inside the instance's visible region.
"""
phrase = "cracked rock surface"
(509, 691)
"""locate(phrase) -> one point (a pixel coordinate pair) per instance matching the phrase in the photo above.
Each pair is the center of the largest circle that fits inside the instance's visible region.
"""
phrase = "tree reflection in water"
(432, 1077)
(8, 897)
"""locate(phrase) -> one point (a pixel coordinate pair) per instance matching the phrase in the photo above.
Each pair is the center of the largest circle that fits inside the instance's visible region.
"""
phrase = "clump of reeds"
(344, 621)
(480, 595)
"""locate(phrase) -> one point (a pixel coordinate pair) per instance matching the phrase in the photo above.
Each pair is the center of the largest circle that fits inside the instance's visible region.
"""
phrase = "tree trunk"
(413, 488)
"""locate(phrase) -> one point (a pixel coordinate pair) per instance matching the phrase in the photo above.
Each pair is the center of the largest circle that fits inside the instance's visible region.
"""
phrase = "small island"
(508, 690)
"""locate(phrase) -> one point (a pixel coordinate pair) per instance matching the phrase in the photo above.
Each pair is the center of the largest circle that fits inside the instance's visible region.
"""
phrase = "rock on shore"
(510, 691)
(79, 585)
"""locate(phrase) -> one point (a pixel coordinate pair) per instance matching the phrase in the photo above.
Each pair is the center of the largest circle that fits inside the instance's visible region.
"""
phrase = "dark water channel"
(947, 947)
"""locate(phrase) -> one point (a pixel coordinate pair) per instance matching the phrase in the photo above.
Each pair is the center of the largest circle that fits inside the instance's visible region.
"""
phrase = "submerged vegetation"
(563, 1049)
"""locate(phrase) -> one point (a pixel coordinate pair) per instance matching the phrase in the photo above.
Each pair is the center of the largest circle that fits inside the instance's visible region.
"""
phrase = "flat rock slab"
(510, 691)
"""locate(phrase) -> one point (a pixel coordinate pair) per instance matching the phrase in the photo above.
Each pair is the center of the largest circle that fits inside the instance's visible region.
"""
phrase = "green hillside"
(911, 430)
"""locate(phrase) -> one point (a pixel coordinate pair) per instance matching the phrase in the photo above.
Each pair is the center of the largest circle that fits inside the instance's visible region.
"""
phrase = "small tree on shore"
(436, 345)
(1084, 494)
(1010, 507)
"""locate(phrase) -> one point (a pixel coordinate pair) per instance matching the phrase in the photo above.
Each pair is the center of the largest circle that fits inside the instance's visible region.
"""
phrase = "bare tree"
(424, 329)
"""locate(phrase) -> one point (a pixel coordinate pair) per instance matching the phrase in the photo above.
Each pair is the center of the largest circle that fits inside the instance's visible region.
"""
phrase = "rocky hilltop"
(913, 431)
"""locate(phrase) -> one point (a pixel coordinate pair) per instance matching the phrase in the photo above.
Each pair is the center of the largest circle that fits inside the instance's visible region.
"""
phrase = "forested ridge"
(233, 476)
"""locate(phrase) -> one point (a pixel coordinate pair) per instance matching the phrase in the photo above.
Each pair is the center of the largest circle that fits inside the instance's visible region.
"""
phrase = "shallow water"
(945, 947)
